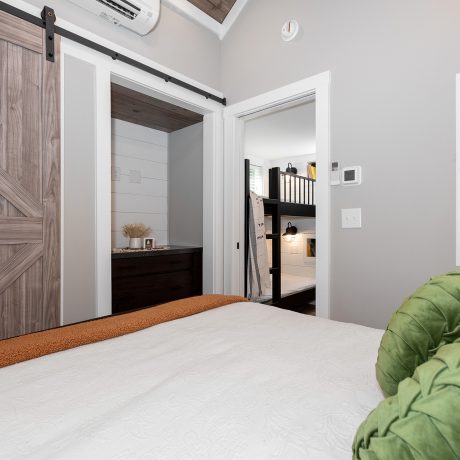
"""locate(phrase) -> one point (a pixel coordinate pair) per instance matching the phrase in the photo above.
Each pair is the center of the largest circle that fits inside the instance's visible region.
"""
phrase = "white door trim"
(106, 70)
(457, 195)
(319, 86)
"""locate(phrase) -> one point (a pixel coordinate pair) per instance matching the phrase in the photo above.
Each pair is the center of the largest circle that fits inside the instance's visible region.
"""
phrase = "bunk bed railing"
(296, 189)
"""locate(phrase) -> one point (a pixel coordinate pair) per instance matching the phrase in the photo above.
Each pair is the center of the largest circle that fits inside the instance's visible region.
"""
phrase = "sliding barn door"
(29, 180)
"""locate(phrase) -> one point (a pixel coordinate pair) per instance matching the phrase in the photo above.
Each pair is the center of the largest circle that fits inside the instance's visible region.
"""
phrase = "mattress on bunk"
(291, 284)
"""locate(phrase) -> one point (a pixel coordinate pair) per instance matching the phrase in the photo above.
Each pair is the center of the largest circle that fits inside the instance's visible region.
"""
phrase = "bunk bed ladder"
(274, 198)
(272, 208)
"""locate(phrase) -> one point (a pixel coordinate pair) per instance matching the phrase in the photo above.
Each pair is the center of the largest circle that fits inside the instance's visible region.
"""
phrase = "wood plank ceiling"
(134, 107)
(217, 9)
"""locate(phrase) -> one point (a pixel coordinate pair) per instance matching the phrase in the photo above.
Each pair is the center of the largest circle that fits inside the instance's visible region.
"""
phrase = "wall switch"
(351, 218)
(116, 173)
(135, 177)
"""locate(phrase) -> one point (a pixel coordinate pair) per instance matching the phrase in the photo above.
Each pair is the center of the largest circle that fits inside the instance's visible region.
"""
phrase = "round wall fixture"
(290, 30)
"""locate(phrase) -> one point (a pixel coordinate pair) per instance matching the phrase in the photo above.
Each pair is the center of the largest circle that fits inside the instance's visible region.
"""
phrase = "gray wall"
(79, 189)
(393, 69)
(176, 42)
(185, 166)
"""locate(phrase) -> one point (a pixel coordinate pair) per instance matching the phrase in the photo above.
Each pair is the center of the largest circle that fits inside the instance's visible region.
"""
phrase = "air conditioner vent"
(119, 8)
(139, 16)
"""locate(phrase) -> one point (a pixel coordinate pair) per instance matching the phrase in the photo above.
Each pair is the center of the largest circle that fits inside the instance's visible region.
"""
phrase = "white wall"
(139, 150)
(393, 67)
(285, 133)
(186, 186)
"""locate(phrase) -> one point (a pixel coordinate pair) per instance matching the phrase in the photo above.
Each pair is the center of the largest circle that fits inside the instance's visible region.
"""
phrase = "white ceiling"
(287, 133)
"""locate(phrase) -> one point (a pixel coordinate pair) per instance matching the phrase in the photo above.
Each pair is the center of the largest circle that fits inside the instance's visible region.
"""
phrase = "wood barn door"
(29, 180)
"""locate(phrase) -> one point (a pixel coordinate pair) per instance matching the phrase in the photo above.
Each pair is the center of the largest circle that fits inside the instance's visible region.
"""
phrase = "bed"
(243, 381)
(292, 284)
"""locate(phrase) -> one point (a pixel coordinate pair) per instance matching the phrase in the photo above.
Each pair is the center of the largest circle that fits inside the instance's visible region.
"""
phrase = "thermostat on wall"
(351, 175)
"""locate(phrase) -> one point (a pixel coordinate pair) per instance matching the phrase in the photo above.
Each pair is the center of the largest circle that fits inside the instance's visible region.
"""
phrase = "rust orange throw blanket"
(38, 344)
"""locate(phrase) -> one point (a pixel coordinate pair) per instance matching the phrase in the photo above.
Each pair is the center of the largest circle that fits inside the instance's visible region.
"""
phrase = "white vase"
(135, 243)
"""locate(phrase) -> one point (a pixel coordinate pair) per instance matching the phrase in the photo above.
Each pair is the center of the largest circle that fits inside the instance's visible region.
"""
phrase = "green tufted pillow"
(426, 321)
(421, 422)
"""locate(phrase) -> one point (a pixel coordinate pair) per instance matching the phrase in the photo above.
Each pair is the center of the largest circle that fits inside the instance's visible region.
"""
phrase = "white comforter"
(245, 381)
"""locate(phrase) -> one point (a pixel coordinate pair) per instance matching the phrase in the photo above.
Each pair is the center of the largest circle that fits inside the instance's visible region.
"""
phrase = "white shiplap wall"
(139, 149)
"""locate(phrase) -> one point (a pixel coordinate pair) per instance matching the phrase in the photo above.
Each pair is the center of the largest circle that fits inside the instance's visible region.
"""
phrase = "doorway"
(279, 151)
(317, 87)
(102, 72)
(157, 200)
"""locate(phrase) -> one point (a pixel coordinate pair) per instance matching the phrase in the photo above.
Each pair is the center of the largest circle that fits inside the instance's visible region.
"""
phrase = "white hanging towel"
(258, 269)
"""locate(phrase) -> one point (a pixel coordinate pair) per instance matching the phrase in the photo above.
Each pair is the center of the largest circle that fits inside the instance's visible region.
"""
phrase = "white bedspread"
(242, 382)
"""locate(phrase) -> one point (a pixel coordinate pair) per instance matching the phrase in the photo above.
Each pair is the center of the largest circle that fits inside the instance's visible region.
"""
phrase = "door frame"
(106, 70)
(457, 169)
(319, 86)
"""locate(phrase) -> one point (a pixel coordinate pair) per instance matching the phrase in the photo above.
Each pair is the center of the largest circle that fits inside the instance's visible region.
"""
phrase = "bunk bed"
(289, 195)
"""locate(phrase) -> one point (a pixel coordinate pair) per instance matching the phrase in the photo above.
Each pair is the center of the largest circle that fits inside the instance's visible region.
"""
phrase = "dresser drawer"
(142, 266)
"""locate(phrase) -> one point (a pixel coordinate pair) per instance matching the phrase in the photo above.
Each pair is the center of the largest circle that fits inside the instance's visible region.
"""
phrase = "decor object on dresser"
(151, 277)
(136, 233)
(422, 420)
(426, 321)
(150, 243)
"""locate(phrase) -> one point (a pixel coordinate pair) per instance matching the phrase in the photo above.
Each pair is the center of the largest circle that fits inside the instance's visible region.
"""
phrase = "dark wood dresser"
(144, 278)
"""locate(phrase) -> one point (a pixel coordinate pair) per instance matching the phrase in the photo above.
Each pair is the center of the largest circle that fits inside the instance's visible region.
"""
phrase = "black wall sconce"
(290, 232)
(290, 169)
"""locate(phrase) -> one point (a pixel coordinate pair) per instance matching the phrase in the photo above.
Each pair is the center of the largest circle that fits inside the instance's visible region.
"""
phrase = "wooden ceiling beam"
(134, 107)
(217, 9)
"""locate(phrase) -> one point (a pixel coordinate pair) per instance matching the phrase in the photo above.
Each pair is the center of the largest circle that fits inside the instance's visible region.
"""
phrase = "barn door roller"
(49, 18)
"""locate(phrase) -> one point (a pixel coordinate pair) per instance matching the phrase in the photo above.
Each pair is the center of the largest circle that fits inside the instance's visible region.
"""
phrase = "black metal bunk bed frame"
(297, 201)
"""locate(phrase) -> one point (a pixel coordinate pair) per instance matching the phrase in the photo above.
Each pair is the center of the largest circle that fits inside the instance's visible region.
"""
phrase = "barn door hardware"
(49, 18)
(47, 22)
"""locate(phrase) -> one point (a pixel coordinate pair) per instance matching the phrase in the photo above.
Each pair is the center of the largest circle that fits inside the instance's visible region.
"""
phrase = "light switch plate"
(135, 177)
(351, 218)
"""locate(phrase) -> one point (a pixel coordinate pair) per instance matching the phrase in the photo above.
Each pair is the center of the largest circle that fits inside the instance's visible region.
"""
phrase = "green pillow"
(429, 319)
(422, 422)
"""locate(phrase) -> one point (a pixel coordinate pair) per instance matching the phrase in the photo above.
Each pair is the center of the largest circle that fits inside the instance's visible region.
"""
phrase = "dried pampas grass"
(136, 230)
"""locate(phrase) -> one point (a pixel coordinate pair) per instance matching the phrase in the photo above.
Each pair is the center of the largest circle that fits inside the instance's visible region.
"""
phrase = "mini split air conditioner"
(139, 16)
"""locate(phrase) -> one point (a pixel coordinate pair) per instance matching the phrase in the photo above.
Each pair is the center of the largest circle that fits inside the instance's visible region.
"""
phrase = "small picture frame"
(149, 243)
